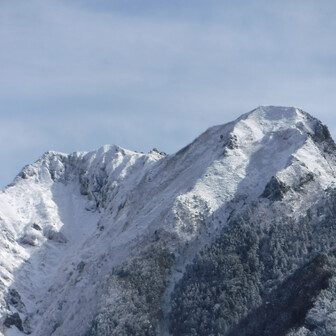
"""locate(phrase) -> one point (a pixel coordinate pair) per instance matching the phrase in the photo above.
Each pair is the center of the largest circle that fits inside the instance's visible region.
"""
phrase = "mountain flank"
(235, 234)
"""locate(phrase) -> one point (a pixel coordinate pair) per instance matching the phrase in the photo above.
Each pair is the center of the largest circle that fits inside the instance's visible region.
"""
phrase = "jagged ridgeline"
(233, 235)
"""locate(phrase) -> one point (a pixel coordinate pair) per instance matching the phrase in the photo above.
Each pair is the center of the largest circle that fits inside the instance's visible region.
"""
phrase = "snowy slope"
(67, 221)
(48, 225)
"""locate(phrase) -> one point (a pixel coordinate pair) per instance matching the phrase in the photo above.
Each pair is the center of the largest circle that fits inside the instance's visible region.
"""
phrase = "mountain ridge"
(89, 236)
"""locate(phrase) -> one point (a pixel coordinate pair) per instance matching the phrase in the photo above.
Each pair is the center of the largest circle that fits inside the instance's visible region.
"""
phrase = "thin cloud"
(80, 74)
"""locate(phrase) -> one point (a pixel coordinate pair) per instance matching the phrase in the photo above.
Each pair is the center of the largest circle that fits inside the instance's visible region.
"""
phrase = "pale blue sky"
(77, 74)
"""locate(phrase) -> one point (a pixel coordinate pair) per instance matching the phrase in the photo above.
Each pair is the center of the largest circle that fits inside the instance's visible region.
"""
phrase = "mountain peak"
(284, 124)
(266, 147)
(274, 118)
(277, 112)
(264, 120)
(90, 235)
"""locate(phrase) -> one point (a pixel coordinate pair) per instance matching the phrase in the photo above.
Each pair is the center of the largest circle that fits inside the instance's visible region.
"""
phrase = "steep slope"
(114, 242)
(50, 226)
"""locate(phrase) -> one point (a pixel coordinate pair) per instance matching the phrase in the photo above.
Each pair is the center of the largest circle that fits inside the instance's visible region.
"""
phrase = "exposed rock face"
(13, 320)
(275, 190)
(233, 235)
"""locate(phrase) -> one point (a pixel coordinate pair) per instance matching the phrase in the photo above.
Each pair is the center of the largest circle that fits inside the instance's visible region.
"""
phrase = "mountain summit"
(233, 235)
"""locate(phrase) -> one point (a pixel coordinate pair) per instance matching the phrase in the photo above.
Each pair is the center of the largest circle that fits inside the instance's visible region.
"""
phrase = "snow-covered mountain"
(235, 234)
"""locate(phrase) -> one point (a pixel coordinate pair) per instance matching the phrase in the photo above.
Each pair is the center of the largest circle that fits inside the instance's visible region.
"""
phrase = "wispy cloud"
(156, 73)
